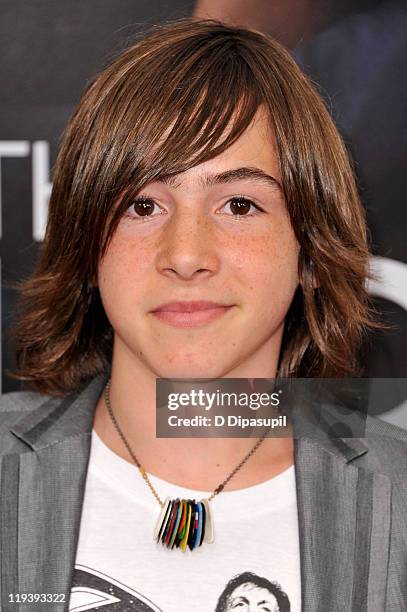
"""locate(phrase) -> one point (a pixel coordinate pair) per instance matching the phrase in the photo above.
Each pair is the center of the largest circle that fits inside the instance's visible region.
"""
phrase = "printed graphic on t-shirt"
(246, 592)
(92, 590)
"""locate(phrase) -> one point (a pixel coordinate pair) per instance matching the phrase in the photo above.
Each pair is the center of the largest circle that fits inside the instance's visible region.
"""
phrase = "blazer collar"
(58, 419)
(343, 510)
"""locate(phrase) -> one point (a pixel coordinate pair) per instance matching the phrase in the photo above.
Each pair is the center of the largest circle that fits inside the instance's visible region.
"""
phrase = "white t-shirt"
(120, 568)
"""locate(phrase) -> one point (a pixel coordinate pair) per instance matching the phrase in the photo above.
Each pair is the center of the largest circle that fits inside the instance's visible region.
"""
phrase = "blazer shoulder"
(21, 401)
(387, 450)
(15, 406)
(376, 426)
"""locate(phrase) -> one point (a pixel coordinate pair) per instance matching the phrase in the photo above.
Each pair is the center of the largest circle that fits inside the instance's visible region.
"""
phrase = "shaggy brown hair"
(178, 97)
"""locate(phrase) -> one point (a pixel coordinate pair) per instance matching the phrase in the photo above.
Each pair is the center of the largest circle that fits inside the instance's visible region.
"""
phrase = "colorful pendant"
(184, 523)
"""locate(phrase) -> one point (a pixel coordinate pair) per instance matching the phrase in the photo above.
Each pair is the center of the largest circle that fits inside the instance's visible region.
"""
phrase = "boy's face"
(192, 245)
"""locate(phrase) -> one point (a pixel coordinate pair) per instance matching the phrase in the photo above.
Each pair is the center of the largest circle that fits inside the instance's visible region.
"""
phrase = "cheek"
(269, 263)
(270, 277)
(122, 268)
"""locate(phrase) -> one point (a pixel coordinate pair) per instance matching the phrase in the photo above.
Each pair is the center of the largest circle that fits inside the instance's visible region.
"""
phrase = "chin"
(190, 371)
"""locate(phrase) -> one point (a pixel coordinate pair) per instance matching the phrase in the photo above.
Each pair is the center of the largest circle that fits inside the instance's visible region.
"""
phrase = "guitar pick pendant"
(184, 522)
(181, 522)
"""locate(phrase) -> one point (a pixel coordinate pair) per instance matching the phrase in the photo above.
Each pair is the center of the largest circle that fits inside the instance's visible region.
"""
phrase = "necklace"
(181, 522)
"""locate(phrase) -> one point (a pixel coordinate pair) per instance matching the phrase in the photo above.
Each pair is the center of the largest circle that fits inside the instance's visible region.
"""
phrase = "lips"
(190, 314)
(189, 306)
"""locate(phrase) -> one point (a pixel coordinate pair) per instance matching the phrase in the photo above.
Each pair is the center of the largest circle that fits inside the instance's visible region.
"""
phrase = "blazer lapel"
(47, 486)
(344, 527)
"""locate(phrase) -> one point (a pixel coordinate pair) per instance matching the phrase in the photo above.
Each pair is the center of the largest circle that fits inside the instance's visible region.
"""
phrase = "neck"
(196, 463)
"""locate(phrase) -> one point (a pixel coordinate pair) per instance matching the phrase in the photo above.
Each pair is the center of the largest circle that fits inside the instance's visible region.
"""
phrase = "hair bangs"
(210, 108)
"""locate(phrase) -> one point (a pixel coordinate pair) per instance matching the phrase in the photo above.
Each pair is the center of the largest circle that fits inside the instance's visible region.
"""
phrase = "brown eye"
(142, 207)
(240, 206)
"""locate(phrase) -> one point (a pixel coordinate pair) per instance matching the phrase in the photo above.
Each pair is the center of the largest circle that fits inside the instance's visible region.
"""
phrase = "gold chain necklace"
(181, 522)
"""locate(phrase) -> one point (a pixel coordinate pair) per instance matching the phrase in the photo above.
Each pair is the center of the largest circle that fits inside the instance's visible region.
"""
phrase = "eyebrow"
(228, 176)
(240, 599)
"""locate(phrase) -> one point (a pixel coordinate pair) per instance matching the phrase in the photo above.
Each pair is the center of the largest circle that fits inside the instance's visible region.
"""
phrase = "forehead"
(254, 594)
(252, 156)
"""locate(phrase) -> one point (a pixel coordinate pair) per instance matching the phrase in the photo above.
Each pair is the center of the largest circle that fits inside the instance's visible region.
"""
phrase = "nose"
(188, 247)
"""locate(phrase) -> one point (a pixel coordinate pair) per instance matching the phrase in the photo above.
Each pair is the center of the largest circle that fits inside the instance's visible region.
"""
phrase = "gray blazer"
(352, 507)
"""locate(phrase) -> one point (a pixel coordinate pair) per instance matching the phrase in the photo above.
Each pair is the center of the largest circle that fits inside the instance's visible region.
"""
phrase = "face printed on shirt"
(251, 598)
(248, 592)
(93, 590)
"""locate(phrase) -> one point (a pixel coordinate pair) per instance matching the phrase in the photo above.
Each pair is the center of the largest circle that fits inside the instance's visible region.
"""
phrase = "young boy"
(204, 223)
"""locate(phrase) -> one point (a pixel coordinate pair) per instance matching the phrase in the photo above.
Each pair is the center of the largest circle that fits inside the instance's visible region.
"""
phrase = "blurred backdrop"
(355, 52)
